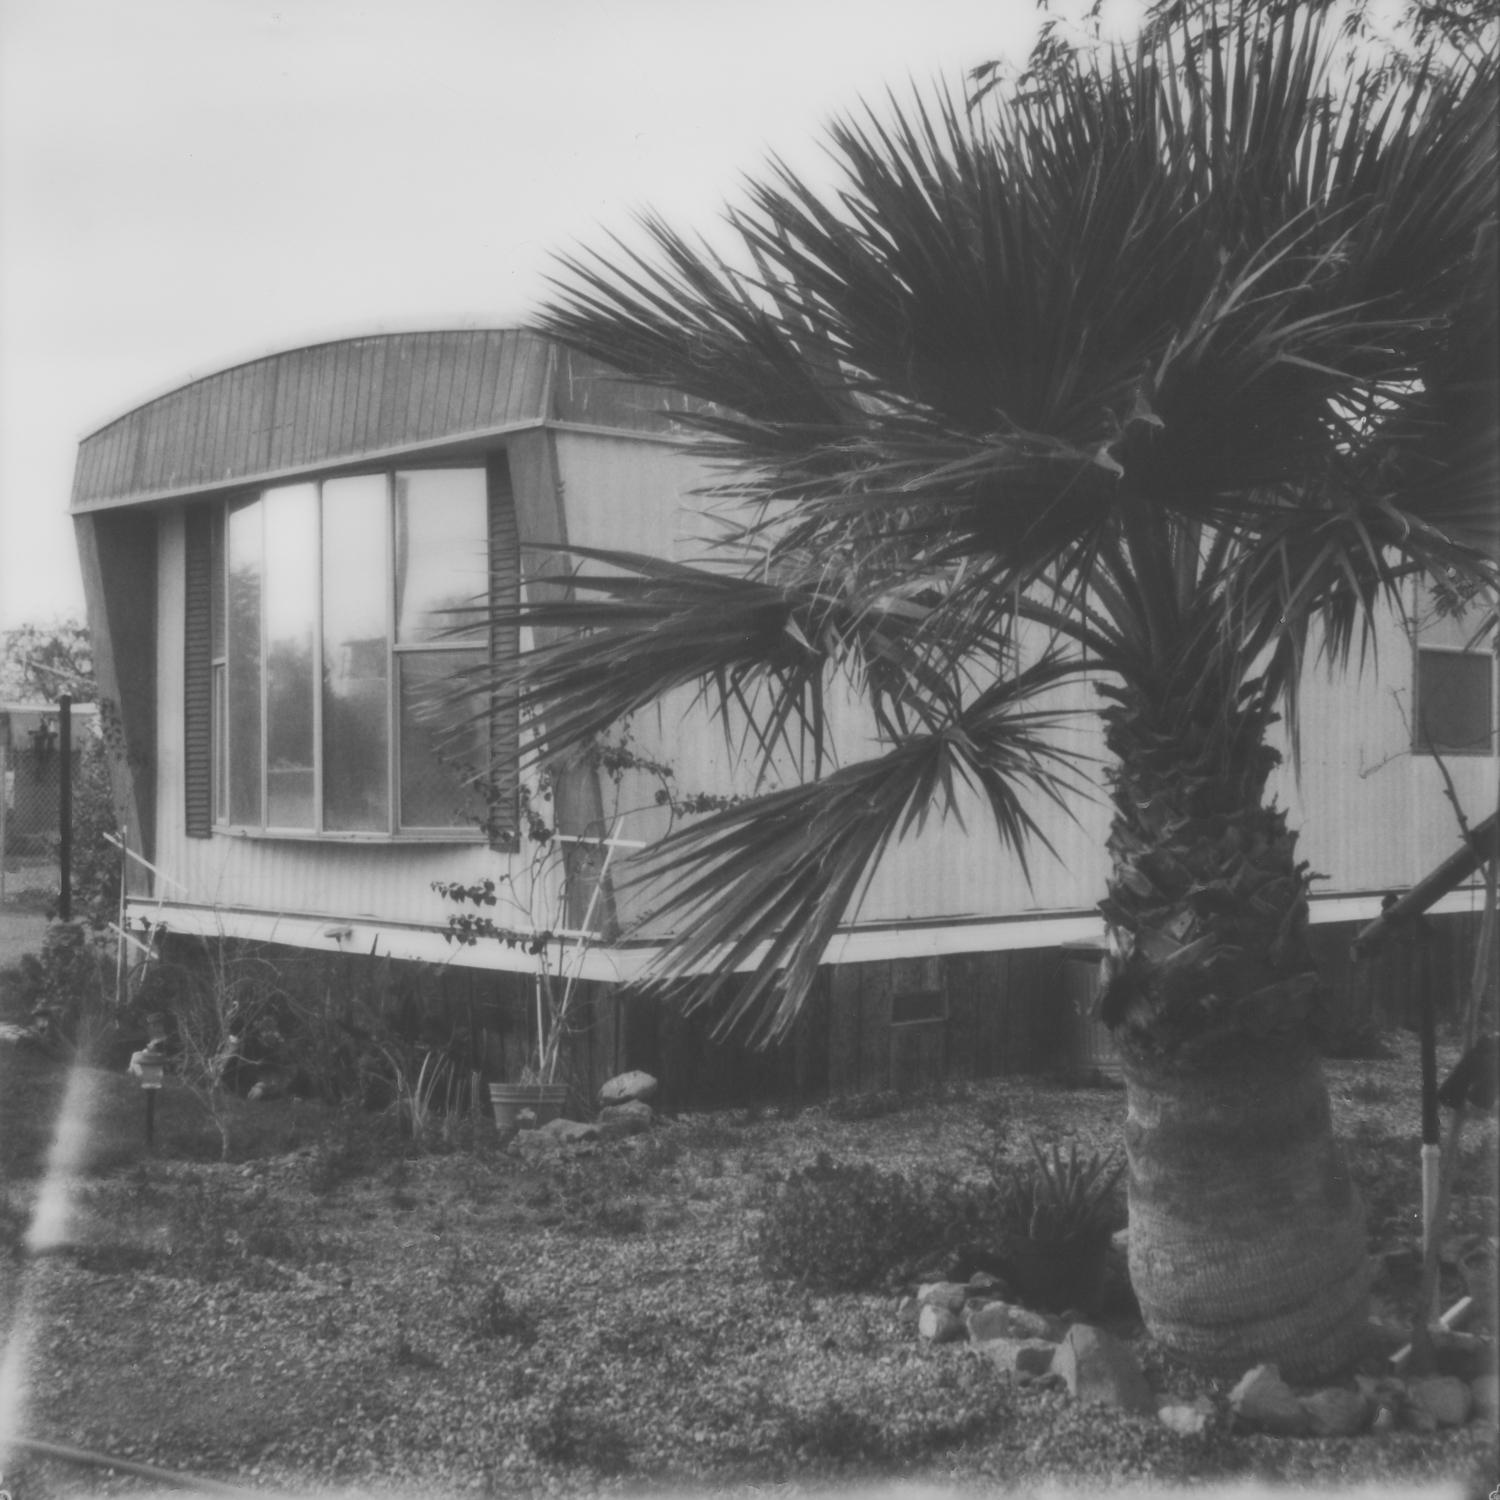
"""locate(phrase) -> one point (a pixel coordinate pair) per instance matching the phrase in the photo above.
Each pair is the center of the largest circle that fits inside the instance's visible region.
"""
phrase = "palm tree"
(1187, 362)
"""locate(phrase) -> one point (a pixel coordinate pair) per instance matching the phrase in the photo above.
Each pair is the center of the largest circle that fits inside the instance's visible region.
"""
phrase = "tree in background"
(39, 663)
(1188, 362)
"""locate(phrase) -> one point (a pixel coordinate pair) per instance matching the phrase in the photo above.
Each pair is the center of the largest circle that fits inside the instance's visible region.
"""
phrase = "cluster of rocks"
(1095, 1366)
(1263, 1402)
(624, 1110)
(1030, 1345)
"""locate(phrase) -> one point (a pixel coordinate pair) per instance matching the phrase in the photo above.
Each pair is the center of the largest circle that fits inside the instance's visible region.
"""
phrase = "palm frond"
(770, 879)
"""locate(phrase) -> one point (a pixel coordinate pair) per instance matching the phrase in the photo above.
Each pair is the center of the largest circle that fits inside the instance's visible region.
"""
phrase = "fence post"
(65, 807)
(4, 794)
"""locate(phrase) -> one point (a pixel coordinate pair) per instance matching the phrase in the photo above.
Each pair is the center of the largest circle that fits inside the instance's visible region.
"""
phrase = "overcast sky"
(185, 184)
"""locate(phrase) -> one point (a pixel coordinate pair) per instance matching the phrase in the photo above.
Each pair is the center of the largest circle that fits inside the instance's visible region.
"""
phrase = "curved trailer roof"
(350, 402)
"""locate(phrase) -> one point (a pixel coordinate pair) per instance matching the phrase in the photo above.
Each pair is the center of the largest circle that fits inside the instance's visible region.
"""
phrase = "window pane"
(221, 744)
(1454, 701)
(356, 655)
(442, 552)
(438, 749)
(245, 566)
(216, 586)
(291, 602)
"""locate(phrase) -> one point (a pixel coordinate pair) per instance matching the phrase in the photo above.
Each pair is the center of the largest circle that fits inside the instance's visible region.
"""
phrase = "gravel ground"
(340, 1316)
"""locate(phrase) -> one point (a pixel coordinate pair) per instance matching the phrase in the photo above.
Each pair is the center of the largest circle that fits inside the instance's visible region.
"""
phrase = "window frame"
(1420, 744)
(215, 653)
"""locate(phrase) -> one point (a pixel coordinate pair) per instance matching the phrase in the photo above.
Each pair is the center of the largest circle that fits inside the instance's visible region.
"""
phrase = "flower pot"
(544, 1100)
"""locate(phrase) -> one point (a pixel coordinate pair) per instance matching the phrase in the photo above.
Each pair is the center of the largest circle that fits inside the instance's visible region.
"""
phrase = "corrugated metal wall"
(1372, 815)
(386, 881)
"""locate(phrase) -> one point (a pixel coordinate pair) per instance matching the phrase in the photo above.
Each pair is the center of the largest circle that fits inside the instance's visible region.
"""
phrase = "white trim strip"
(618, 964)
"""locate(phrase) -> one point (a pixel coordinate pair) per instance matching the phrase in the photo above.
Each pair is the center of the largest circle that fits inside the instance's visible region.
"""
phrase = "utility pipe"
(129, 1466)
(1481, 846)
(65, 808)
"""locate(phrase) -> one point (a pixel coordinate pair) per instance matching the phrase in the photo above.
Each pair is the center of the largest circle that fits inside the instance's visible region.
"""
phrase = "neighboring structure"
(271, 555)
(30, 777)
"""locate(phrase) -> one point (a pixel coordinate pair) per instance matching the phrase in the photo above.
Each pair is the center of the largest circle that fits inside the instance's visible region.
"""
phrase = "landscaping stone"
(948, 1295)
(1485, 1391)
(1336, 1412)
(631, 1118)
(1264, 1402)
(1004, 1320)
(1031, 1357)
(939, 1326)
(1382, 1393)
(1187, 1420)
(1446, 1396)
(625, 1088)
(1465, 1355)
(1099, 1368)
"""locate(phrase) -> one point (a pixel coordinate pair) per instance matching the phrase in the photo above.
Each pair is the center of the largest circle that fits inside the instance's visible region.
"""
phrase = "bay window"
(334, 620)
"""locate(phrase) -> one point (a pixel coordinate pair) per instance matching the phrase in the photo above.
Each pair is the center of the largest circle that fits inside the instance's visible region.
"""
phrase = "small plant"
(1060, 1201)
(845, 1225)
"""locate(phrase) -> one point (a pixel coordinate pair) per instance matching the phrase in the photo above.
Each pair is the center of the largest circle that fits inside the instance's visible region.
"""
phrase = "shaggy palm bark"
(1247, 1237)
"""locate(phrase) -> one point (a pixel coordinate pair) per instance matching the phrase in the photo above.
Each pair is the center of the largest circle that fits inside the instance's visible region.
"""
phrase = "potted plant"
(538, 1094)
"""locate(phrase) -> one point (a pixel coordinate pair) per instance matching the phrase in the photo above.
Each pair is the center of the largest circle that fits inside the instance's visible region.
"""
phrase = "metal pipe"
(65, 808)
(129, 1466)
(1481, 846)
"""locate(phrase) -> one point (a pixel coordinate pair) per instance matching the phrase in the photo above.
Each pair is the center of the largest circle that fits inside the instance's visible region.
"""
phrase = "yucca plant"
(1187, 361)
(1057, 1201)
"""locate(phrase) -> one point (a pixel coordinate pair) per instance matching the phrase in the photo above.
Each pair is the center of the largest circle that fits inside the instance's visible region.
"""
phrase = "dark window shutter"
(197, 708)
(505, 722)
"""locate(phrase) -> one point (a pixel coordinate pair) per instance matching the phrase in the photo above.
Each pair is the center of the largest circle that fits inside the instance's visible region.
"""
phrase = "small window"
(916, 1006)
(1455, 701)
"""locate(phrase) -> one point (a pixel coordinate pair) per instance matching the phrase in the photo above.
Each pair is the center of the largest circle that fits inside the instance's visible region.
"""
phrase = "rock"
(631, 1118)
(1032, 1357)
(1187, 1421)
(1485, 1391)
(1446, 1396)
(1416, 1418)
(939, 1326)
(1336, 1412)
(1264, 1402)
(1382, 1393)
(1004, 1320)
(625, 1088)
(1099, 1368)
(1465, 1355)
(945, 1294)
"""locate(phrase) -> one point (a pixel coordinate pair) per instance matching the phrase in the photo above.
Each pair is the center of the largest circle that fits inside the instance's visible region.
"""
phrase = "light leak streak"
(49, 1228)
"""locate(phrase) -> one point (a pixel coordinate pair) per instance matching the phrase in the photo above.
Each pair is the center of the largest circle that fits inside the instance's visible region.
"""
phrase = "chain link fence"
(32, 766)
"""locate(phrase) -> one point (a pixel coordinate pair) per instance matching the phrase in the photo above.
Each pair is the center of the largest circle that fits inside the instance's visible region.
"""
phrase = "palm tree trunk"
(1247, 1238)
